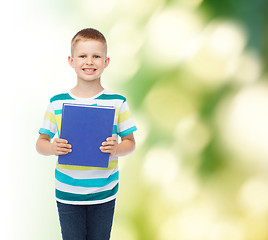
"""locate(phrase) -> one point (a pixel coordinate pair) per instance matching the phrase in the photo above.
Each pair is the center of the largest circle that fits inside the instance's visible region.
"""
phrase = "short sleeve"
(49, 125)
(125, 125)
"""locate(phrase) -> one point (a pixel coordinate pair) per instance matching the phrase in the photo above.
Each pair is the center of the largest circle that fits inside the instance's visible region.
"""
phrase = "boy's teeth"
(89, 70)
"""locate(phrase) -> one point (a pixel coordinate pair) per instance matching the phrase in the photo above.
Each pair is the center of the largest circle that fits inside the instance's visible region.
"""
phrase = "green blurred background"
(195, 76)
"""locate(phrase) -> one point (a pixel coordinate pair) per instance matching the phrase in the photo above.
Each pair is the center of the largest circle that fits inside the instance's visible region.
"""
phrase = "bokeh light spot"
(243, 123)
(254, 196)
(161, 166)
(166, 100)
(212, 58)
(169, 33)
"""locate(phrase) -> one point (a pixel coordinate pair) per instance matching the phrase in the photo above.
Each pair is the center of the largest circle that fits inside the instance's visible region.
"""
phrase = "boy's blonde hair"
(88, 34)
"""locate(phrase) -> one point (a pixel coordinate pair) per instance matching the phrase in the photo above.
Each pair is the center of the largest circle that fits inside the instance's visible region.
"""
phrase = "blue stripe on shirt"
(86, 197)
(96, 182)
(46, 131)
(127, 131)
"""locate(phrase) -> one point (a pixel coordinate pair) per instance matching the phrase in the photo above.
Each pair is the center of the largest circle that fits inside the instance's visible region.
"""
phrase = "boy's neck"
(87, 90)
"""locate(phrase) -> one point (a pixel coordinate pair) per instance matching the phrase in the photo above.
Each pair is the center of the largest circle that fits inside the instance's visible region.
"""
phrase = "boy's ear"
(107, 61)
(70, 60)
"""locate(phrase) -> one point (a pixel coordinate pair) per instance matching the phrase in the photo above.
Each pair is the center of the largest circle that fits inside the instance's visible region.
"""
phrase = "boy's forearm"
(125, 147)
(43, 146)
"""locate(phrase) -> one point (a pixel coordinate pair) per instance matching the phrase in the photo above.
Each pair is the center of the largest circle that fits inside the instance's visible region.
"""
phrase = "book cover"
(85, 127)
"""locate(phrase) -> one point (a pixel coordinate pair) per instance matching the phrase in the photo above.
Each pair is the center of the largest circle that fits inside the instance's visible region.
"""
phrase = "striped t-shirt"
(80, 184)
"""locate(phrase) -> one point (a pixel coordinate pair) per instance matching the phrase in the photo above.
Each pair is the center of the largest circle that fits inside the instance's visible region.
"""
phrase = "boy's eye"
(96, 56)
(82, 56)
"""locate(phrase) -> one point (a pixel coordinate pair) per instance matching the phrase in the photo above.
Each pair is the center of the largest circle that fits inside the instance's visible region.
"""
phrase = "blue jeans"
(86, 222)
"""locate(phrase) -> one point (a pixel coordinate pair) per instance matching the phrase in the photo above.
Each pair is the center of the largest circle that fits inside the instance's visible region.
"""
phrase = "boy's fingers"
(62, 153)
(65, 150)
(62, 149)
(107, 148)
(108, 143)
(60, 140)
(104, 149)
(63, 145)
(111, 139)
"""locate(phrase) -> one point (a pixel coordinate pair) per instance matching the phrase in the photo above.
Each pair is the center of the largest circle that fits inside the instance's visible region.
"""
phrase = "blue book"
(85, 127)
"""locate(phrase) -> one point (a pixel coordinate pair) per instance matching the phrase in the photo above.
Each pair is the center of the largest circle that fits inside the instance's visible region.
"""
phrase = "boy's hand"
(110, 146)
(60, 147)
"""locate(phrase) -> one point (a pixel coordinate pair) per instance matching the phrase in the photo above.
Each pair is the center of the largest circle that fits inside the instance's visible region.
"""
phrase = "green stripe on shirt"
(111, 97)
(86, 197)
(63, 96)
(58, 112)
(95, 182)
(45, 131)
(127, 131)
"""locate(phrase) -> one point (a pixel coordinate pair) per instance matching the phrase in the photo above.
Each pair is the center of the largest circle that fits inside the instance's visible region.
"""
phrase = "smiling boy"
(86, 195)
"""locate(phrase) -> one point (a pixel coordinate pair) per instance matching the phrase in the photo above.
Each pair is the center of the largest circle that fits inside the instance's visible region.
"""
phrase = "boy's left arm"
(126, 146)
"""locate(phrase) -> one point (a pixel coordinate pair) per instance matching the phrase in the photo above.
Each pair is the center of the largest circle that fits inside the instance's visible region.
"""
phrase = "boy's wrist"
(114, 153)
(50, 149)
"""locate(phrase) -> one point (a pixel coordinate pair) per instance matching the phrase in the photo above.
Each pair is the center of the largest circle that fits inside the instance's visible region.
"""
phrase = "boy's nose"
(89, 60)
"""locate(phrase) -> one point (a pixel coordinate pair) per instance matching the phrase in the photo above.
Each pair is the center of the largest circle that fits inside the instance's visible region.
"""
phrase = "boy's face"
(89, 60)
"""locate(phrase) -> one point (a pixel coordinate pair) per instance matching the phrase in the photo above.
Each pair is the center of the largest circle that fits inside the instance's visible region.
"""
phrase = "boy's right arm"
(57, 147)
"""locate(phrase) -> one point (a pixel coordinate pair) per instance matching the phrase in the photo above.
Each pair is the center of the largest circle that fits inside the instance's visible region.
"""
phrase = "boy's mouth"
(89, 70)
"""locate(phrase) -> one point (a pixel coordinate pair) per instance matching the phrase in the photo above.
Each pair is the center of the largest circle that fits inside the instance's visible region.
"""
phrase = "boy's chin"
(89, 79)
